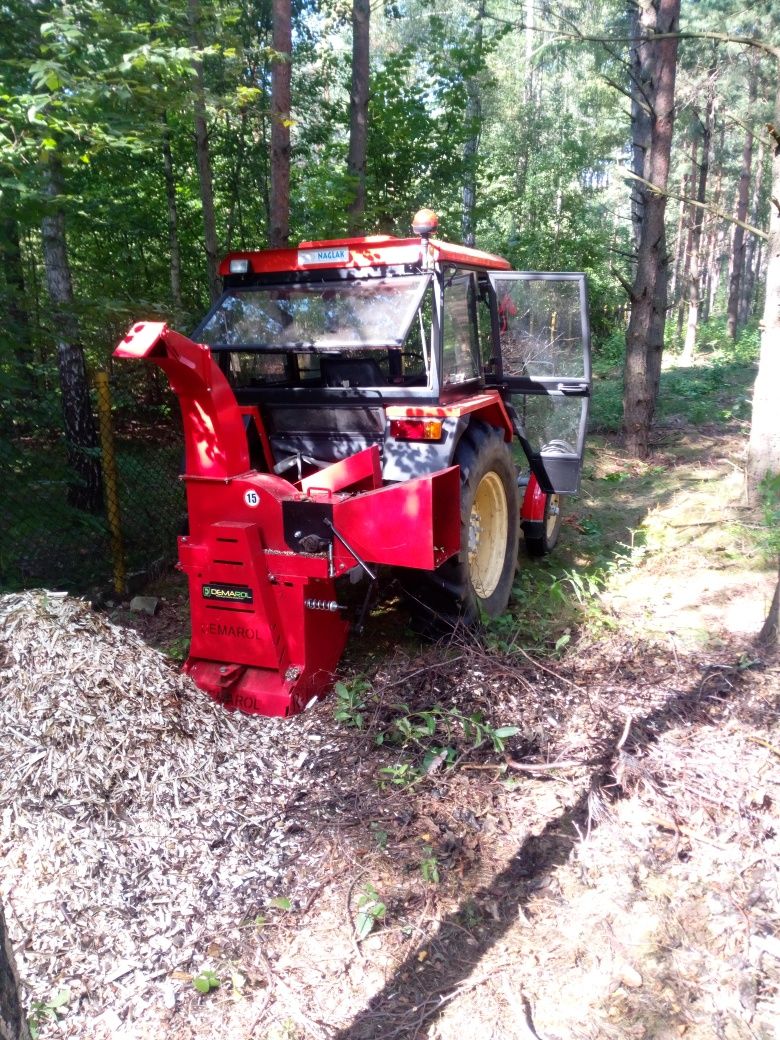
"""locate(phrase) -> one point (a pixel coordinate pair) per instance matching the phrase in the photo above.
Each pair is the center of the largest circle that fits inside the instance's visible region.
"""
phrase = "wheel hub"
(487, 536)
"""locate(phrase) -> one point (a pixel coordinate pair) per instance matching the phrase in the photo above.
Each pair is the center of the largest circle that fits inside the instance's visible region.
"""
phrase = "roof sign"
(325, 255)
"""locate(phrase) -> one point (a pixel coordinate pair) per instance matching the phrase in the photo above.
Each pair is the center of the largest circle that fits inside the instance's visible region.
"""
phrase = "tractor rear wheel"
(479, 579)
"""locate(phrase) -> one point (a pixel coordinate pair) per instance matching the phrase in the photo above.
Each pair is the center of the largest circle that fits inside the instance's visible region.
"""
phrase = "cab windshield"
(356, 314)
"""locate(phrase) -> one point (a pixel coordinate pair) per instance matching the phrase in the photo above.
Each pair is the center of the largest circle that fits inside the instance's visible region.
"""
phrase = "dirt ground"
(610, 868)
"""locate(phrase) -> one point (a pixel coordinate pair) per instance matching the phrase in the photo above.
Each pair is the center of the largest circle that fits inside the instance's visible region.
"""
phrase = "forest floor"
(566, 830)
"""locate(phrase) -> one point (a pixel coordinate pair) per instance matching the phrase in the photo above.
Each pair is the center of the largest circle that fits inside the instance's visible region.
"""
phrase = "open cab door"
(541, 323)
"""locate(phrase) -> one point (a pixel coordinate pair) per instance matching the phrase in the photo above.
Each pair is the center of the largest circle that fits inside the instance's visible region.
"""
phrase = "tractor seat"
(351, 372)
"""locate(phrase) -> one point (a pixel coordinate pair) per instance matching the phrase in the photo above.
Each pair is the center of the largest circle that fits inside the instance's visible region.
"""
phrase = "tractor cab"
(339, 345)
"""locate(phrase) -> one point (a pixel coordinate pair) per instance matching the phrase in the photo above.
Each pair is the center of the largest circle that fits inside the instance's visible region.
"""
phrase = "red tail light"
(416, 429)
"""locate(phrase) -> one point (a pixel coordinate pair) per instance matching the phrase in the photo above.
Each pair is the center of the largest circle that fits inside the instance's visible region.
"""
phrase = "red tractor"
(362, 402)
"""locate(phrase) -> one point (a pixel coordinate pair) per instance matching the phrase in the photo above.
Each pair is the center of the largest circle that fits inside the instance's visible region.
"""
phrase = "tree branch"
(629, 288)
(694, 202)
(745, 41)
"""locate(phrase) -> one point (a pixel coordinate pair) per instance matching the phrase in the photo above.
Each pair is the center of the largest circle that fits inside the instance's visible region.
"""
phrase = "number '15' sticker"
(252, 498)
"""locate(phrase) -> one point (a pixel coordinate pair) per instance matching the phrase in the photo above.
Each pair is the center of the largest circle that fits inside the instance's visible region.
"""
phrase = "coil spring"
(321, 604)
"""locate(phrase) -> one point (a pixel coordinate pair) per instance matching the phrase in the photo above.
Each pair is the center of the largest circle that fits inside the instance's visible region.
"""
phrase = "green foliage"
(206, 981)
(281, 903)
(370, 911)
(42, 1011)
(350, 702)
(609, 353)
(429, 866)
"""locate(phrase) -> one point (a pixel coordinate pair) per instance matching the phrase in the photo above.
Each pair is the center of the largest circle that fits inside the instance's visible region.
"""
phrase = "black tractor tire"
(478, 580)
(541, 538)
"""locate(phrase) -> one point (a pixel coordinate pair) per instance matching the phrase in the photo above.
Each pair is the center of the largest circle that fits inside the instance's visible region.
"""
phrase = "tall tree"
(471, 147)
(203, 154)
(753, 247)
(657, 60)
(79, 423)
(743, 196)
(281, 103)
(695, 274)
(358, 113)
(764, 446)
(173, 214)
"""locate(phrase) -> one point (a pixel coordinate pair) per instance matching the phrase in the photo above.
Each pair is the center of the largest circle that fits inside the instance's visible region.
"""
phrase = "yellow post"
(110, 482)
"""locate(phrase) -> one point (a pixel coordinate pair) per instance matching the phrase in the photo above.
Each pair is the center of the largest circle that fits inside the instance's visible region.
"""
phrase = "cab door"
(541, 324)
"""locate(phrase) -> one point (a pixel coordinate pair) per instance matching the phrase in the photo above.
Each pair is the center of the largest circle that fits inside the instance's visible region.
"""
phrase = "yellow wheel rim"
(553, 512)
(488, 527)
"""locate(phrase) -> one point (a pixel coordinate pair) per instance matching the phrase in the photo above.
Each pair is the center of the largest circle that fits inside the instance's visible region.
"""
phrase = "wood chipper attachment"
(263, 555)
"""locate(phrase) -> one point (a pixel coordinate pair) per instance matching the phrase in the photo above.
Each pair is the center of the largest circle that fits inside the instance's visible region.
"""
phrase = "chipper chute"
(264, 556)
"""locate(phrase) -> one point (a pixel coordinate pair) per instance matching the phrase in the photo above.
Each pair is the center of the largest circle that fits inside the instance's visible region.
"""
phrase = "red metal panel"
(360, 472)
(214, 437)
(412, 524)
(463, 255)
(367, 251)
(386, 252)
(253, 412)
(534, 501)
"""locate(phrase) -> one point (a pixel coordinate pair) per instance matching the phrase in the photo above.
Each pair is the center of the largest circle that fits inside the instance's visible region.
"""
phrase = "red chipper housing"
(363, 402)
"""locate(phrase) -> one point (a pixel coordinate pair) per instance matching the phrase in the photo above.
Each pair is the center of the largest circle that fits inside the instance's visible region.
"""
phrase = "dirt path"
(608, 869)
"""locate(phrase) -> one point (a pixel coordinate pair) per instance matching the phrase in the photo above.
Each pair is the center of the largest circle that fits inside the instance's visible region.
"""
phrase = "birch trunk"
(85, 491)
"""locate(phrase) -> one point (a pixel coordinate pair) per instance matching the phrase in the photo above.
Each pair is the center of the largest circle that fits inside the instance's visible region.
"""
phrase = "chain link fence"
(50, 535)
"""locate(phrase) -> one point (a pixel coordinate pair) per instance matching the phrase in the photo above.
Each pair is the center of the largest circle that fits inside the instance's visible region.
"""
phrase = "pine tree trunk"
(689, 224)
(471, 147)
(645, 335)
(358, 113)
(694, 280)
(751, 249)
(203, 159)
(711, 252)
(173, 216)
(641, 118)
(13, 1023)
(281, 103)
(679, 241)
(85, 491)
(764, 445)
(738, 241)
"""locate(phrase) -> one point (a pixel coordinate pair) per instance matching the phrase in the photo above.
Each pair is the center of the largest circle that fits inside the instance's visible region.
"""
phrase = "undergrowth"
(716, 388)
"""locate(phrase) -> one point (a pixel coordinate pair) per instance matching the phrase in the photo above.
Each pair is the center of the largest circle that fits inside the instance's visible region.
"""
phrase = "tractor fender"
(403, 459)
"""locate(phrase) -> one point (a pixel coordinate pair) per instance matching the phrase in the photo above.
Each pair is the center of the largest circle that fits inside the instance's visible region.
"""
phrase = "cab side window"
(459, 328)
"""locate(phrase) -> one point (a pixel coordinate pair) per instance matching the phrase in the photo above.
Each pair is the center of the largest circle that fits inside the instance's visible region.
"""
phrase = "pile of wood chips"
(139, 822)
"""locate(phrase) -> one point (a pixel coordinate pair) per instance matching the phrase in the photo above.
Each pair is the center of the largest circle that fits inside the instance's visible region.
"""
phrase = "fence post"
(110, 481)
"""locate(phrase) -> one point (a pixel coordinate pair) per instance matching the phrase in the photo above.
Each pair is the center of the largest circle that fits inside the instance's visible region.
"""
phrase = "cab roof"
(367, 251)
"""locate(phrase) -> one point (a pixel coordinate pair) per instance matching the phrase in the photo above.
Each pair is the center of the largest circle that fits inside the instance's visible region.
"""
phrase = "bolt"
(223, 669)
